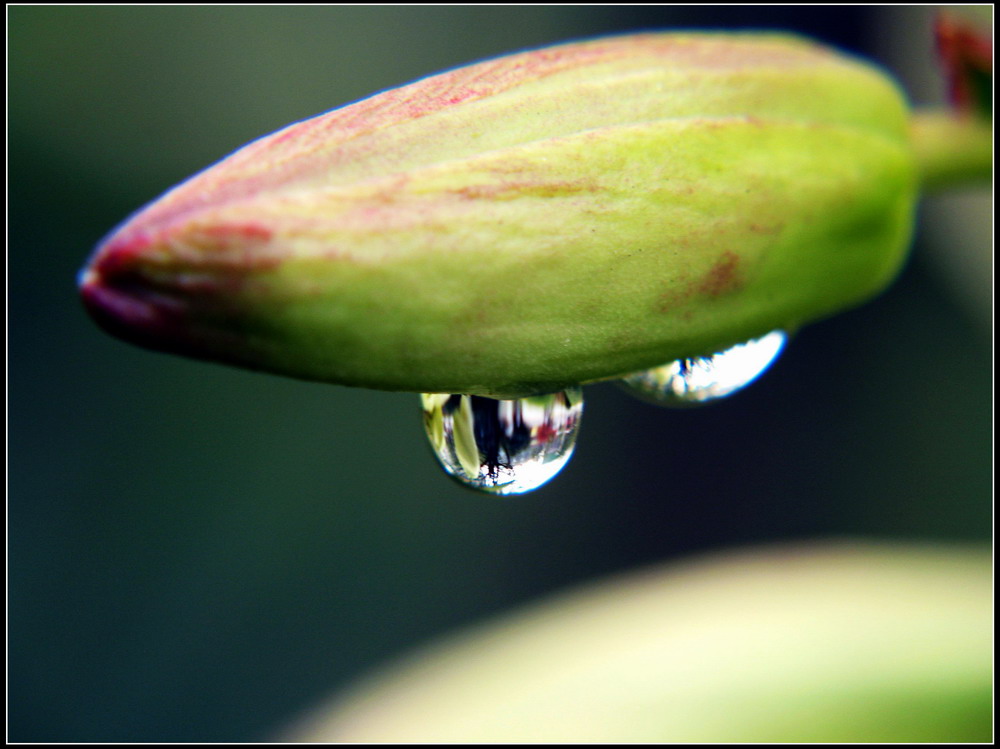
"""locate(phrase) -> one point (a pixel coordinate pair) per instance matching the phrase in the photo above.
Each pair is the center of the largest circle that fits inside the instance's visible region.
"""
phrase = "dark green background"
(199, 553)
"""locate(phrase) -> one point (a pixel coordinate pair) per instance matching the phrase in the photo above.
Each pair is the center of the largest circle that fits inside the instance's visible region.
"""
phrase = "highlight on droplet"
(702, 379)
(503, 447)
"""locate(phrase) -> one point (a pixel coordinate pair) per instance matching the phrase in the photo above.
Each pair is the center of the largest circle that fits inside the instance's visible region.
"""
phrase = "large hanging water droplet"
(701, 379)
(503, 446)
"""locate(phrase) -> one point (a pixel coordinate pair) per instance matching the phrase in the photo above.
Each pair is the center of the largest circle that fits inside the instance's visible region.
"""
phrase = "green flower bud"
(554, 217)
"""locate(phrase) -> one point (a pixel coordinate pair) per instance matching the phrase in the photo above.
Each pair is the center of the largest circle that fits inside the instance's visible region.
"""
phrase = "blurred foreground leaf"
(846, 642)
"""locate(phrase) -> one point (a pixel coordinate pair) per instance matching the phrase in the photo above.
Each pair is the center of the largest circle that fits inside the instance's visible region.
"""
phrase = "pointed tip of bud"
(125, 305)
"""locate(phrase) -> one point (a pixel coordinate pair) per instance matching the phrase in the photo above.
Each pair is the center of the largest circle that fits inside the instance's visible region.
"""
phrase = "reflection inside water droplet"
(503, 446)
(704, 378)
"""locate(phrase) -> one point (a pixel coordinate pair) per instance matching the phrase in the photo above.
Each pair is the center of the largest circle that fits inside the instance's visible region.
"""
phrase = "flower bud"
(549, 218)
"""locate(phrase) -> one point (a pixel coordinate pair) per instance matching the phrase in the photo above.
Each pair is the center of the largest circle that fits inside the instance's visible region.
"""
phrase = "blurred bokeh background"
(199, 553)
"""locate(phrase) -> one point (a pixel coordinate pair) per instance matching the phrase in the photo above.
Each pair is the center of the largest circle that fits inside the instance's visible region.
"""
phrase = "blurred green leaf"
(848, 642)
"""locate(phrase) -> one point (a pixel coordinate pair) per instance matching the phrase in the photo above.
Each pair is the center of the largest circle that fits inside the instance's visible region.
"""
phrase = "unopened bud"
(550, 218)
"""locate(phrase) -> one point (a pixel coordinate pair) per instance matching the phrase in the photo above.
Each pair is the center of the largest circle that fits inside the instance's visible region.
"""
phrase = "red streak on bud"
(723, 277)
(511, 190)
(121, 254)
(236, 247)
(233, 233)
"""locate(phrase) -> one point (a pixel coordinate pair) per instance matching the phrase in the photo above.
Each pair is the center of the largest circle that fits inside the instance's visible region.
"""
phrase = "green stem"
(952, 150)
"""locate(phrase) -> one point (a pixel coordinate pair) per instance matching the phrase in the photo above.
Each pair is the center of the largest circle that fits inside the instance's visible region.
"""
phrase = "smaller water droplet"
(701, 379)
(503, 446)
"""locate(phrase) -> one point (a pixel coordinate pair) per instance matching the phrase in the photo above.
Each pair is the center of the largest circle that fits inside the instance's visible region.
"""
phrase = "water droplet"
(701, 379)
(503, 446)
